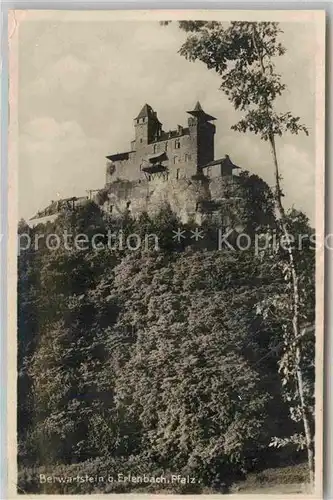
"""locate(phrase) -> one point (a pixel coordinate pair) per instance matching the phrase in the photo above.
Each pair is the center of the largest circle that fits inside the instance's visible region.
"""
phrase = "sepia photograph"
(166, 212)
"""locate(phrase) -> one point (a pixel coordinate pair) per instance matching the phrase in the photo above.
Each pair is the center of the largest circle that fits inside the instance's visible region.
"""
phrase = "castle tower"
(202, 133)
(147, 127)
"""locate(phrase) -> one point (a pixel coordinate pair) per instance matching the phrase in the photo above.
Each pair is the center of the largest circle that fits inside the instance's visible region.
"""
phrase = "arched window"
(175, 160)
(155, 148)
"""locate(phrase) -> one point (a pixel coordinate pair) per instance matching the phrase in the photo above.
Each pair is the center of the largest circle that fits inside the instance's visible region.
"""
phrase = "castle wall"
(184, 148)
(183, 196)
(220, 187)
(181, 160)
(206, 133)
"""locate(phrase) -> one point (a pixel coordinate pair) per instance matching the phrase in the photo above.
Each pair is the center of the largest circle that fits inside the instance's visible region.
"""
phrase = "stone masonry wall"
(184, 196)
(180, 160)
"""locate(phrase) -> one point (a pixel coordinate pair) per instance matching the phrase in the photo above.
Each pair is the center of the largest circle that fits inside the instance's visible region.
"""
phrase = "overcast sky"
(82, 83)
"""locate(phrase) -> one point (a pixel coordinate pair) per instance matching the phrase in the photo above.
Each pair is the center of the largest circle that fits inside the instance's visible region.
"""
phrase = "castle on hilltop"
(176, 154)
(175, 167)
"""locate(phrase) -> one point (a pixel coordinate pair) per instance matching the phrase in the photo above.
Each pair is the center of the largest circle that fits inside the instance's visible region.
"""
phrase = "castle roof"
(226, 161)
(145, 112)
(198, 107)
(200, 113)
(156, 157)
(119, 156)
(173, 134)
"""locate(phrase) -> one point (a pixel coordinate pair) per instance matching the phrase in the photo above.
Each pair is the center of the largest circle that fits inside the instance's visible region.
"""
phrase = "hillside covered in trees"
(169, 362)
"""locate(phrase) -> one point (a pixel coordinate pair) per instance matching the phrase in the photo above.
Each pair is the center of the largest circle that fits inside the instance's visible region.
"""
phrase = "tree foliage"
(166, 357)
(244, 54)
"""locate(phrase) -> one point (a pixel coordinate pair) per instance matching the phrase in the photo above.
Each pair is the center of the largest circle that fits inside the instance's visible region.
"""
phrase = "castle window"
(166, 146)
(155, 148)
(175, 159)
(177, 143)
(140, 140)
(110, 209)
(177, 173)
(187, 157)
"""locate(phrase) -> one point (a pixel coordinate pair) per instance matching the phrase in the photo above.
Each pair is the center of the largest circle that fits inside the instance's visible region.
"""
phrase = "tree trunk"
(294, 279)
(295, 322)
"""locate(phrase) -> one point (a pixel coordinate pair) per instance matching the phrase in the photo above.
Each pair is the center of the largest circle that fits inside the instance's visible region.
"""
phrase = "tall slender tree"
(243, 54)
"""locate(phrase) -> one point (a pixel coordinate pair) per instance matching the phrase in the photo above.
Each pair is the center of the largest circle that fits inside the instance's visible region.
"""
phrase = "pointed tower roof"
(199, 113)
(198, 107)
(145, 112)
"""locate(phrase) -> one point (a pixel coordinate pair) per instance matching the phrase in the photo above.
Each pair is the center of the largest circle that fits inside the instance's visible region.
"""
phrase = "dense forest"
(172, 361)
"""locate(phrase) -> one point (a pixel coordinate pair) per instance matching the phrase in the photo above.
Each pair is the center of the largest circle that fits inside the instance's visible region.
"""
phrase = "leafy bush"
(159, 360)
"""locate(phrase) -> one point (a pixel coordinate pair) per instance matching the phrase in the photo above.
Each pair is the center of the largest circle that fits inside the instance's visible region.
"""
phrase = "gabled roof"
(199, 112)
